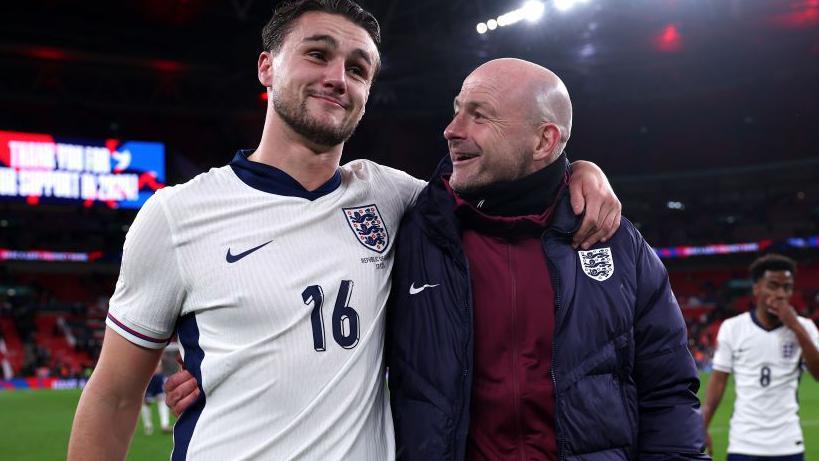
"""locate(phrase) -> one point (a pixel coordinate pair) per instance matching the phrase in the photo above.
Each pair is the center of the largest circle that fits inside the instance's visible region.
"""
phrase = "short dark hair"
(771, 262)
(279, 25)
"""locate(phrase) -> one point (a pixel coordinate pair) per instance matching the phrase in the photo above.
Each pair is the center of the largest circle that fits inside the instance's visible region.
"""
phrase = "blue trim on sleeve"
(272, 180)
(188, 332)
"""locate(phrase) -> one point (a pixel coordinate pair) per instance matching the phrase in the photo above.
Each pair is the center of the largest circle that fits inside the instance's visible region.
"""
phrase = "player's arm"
(670, 425)
(591, 192)
(723, 364)
(141, 316)
(110, 402)
(810, 354)
(713, 397)
(807, 340)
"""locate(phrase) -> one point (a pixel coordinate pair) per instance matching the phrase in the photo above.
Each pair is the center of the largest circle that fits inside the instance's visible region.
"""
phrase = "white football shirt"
(278, 297)
(766, 366)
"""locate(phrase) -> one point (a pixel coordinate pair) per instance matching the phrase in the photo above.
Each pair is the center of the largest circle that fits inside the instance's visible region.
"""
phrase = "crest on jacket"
(368, 227)
(597, 264)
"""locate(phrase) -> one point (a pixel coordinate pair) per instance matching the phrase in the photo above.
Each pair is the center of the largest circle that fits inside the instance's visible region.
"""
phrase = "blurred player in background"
(155, 394)
(765, 349)
(5, 365)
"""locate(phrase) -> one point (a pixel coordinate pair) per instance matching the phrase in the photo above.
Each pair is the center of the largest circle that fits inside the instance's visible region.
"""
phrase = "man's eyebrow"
(779, 284)
(475, 105)
(363, 55)
(330, 41)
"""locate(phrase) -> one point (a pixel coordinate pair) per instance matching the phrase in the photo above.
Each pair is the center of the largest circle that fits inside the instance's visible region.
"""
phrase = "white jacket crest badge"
(597, 264)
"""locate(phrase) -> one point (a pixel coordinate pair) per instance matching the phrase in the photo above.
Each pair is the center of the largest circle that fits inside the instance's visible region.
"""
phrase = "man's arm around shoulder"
(670, 425)
(109, 406)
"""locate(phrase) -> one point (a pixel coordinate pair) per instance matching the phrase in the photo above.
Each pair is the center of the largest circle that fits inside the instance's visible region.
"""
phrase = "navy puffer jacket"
(625, 382)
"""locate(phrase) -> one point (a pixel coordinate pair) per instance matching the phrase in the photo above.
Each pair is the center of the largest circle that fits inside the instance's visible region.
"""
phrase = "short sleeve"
(407, 186)
(813, 332)
(148, 296)
(723, 356)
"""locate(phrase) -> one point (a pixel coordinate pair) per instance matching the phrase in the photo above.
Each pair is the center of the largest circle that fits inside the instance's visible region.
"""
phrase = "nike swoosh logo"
(415, 291)
(233, 258)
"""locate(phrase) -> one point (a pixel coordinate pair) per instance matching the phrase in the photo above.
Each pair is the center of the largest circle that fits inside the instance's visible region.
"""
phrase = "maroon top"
(512, 411)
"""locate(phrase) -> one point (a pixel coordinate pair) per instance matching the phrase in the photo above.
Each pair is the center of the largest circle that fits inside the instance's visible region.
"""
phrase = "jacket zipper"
(561, 451)
(466, 380)
(515, 370)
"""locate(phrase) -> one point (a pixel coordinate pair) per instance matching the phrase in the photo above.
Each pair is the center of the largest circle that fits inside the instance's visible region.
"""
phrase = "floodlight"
(511, 17)
(532, 10)
(505, 19)
(564, 5)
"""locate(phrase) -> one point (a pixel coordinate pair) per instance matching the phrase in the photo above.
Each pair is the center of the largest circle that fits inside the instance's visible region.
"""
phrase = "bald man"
(504, 341)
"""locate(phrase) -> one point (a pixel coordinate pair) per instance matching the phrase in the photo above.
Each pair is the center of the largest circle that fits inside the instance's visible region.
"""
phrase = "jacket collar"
(435, 208)
(530, 195)
(565, 222)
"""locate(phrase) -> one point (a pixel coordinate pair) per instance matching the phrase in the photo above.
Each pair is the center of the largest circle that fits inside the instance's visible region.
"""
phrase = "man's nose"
(455, 129)
(335, 76)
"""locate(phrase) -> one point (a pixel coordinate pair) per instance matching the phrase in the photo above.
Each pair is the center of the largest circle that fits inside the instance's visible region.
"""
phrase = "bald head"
(527, 85)
(512, 118)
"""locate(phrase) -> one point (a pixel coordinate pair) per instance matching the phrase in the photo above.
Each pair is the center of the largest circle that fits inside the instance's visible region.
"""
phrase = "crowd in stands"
(773, 203)
(53, 325)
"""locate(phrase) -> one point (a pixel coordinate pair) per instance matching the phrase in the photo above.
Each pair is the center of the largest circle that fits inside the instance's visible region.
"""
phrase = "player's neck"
(308, 163)
(764, 318)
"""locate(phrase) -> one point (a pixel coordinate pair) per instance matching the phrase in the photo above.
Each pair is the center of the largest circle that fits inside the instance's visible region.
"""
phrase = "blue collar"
(272, 180)
(756, 321)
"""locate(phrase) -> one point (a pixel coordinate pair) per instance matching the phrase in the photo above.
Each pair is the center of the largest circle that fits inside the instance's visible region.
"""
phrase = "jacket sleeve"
(670, 423)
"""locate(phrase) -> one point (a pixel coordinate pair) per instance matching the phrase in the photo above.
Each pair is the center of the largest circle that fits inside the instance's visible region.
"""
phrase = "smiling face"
(499, 131)
(320, 79)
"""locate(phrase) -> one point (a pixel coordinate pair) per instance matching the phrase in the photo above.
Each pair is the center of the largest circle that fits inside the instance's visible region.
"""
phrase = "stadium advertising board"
(42, 383)
(42, 168)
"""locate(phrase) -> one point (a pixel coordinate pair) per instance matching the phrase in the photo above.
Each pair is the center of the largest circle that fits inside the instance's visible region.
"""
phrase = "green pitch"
(34, 425)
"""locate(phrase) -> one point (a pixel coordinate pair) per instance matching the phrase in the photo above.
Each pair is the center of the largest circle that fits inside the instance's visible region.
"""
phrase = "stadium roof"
(757, 61)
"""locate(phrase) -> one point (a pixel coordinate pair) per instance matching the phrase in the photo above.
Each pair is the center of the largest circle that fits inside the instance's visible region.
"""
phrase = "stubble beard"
(467, 186)
(482, 179)
(297, 117)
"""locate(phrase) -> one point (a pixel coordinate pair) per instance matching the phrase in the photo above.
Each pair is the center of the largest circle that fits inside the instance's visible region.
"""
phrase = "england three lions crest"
(368, 227)
(788, 350)
(597, 264)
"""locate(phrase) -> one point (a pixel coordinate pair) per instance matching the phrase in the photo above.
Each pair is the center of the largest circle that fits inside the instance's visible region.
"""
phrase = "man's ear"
(265, 69)
(548, 139)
